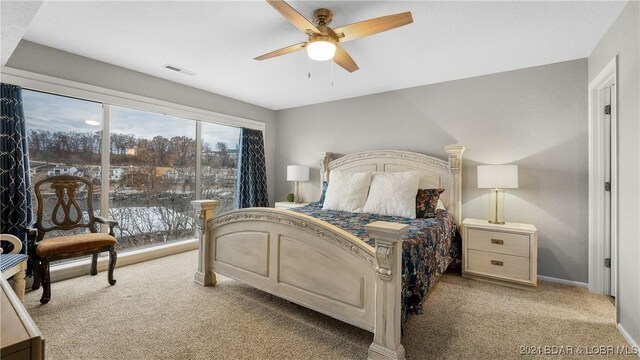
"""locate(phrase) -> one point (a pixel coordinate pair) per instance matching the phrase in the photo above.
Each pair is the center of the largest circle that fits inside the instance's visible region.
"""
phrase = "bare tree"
(151, 198)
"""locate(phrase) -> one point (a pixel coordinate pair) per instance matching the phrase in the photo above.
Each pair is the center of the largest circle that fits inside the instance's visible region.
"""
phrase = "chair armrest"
(112, 223)
(32, 239)
(17, 244)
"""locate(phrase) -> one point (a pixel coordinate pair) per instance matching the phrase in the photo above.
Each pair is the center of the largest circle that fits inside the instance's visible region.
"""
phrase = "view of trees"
(65, 147)
(178, 151)
(152, 181)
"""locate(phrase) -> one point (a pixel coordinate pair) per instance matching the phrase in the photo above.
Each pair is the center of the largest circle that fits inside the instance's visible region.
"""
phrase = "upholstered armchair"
(48, 241)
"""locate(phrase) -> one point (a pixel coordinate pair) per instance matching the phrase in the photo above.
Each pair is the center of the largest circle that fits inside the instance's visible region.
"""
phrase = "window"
(152, 163)
(219, 169)
(152, 177)
(64, 136)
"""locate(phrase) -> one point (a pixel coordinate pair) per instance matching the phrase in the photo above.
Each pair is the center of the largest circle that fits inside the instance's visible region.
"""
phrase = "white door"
(610, 251)
(603, 204)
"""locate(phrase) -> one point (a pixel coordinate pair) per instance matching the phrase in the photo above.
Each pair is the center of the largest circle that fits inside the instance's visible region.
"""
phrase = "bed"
(428, 248)
(321, 266)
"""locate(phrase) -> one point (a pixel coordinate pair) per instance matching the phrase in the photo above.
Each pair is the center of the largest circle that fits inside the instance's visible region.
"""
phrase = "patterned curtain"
(15, 185)
(252, 171)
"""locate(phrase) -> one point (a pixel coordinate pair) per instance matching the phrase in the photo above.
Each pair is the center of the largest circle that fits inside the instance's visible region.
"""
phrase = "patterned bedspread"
(429, 247)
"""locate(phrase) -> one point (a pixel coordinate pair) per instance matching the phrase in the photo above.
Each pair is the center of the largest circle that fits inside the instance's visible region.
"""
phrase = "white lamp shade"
(297, 173)
(498, 176)
(321, 50)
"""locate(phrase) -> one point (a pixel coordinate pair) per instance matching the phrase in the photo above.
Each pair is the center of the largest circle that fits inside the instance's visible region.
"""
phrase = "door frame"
(597, 242)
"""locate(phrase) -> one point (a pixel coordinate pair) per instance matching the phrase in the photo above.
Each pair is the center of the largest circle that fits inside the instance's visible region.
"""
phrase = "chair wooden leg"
(94, 265)
(113, 257)
(46, 282)
(36, 275)
(19, 283)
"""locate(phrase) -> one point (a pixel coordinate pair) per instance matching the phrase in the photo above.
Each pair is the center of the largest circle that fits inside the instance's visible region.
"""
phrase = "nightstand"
(289, 205)
(504, 254)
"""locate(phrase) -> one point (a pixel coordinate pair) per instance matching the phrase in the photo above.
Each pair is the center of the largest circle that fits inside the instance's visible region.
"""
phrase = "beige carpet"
(156, 311)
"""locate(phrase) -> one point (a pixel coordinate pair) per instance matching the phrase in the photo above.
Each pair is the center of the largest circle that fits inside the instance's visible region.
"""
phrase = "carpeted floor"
(156, 311)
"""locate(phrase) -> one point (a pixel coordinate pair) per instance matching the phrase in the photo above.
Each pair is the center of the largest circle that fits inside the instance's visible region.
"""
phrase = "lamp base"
(496, 206)
(296, 193)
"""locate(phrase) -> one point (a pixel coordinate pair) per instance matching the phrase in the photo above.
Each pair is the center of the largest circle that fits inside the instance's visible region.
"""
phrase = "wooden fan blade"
(293, 16)
(373, 26)
(283, 51)
(343, 59)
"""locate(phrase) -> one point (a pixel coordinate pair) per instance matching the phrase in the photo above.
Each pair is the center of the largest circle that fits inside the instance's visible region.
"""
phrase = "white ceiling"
(15, 18)
(218, 41)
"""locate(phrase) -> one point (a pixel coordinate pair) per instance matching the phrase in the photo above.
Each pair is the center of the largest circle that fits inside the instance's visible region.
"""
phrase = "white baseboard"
(563, 281)
(632, 342)
(82, 267)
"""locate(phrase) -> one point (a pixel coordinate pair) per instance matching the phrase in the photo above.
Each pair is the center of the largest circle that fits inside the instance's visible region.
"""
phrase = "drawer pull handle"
(497, 241)
(497, 263)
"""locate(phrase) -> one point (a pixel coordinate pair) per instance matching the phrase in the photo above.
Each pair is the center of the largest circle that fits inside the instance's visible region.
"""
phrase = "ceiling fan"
(324, 42)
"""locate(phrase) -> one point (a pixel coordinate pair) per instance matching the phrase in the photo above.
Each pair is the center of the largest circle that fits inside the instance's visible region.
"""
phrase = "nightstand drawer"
(500, 265)
(499, 242)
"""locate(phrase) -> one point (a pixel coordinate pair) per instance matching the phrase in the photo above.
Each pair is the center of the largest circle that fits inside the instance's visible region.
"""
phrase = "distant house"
(63, 170)
(115, 173)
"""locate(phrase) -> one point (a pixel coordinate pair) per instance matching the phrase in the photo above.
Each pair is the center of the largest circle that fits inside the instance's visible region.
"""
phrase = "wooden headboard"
(435, 173)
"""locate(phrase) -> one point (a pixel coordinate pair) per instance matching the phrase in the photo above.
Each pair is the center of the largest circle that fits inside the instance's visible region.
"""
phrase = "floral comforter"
(429, 247)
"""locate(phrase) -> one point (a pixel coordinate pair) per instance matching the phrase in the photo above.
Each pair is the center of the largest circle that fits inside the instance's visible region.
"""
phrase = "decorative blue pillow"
(324, 191)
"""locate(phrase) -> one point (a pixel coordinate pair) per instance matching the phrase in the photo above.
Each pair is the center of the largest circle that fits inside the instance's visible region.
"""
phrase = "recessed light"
(92, 122)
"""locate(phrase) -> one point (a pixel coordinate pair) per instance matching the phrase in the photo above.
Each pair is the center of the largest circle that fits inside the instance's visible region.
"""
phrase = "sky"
(59, 113)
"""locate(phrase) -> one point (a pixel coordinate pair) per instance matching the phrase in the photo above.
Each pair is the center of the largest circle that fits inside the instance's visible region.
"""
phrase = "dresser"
(505, 254)
(289, 205)
(21, 339)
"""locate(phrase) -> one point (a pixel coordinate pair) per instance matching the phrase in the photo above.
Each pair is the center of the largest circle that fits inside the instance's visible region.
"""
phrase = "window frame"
(108, 97)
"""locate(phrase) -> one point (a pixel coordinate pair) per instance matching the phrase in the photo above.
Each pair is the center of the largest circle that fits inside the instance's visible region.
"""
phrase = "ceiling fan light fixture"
(323, 41)
(321, 48)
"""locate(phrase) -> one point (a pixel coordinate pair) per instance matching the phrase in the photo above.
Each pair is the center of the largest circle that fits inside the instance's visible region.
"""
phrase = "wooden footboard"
(311, 263)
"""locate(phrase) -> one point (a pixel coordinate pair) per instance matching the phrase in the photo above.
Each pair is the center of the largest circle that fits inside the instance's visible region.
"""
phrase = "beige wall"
(535, 118)
(52, 62)
(623, 39)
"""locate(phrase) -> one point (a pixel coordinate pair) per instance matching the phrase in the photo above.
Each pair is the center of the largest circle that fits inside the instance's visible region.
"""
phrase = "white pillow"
(393, 194)
(440, 205)
(347, 191)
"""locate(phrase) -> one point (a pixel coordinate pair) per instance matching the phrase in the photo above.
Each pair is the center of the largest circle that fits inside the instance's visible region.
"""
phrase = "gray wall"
(623, 39)
(52, 62)
(535, 118)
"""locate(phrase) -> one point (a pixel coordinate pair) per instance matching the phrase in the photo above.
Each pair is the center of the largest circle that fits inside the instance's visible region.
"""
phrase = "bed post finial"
(386, 333)
(205, 209)
(455, 166)
(325, 159)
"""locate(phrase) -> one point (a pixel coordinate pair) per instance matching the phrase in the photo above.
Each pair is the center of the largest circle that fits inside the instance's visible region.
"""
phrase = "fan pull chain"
(308, 67)
(331, 72)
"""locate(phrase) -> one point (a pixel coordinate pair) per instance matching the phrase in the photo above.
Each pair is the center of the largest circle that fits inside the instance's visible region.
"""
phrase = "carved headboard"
(434, 172)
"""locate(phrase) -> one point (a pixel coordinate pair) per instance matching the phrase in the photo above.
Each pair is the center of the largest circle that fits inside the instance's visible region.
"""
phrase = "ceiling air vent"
(179, 69)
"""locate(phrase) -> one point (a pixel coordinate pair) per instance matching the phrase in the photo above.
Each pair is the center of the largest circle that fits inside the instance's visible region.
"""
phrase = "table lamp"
(297, 173)
(497, 178)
